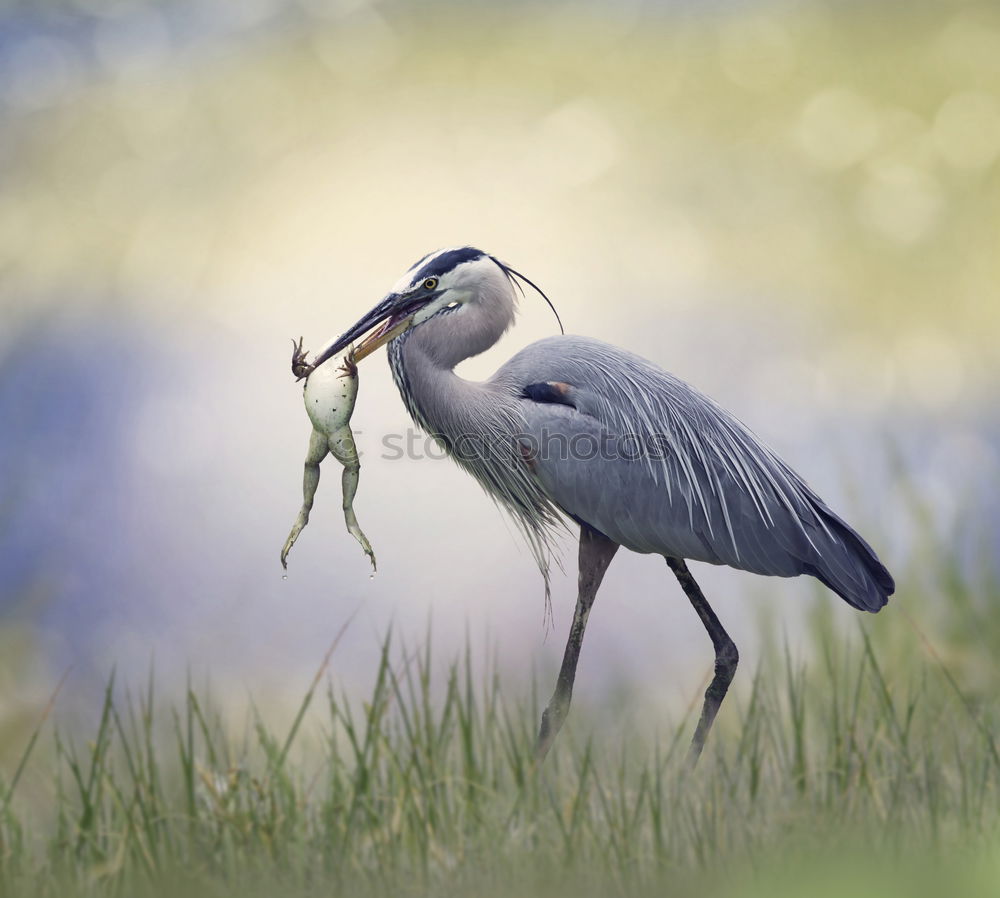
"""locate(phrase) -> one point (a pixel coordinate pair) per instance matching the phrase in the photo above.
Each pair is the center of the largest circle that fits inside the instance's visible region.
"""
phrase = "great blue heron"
(574, 427)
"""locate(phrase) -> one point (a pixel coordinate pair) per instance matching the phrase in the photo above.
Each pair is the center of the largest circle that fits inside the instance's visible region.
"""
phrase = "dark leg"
(596, 552)
(726, 657)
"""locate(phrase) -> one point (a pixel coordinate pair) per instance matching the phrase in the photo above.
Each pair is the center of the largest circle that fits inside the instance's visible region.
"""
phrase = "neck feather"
(478, 425)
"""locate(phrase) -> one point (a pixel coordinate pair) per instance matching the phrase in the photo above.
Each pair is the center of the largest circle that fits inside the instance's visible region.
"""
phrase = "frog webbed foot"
(350, 367)
(366, 546)
(300, 523)
(300, 367)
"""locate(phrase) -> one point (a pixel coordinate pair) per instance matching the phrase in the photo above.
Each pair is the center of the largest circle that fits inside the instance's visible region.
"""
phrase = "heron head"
(441, 283)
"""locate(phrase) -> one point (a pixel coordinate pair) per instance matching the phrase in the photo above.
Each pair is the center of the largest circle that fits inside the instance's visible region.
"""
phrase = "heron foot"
(300, 367)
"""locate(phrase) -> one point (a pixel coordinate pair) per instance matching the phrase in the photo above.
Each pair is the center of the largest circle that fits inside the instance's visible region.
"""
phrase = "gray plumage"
(571, 426)
(703, 486)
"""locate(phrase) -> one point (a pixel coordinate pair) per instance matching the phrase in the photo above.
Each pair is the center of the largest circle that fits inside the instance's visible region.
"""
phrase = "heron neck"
(476, 422)
(437, 398)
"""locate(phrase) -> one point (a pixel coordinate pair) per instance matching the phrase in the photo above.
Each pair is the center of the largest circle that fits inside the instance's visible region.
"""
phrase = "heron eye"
(430, 283)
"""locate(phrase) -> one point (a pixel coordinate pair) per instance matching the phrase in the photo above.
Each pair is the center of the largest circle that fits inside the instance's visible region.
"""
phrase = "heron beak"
(383, 335)
(394, 314)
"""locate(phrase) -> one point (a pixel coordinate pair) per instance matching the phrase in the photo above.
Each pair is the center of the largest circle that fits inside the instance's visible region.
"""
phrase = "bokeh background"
(793, 205)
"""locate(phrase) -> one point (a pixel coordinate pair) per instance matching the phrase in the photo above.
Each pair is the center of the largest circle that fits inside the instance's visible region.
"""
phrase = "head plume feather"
(516, 278)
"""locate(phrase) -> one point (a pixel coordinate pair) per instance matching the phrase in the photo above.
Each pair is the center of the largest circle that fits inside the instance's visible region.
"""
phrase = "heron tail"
(851, 568)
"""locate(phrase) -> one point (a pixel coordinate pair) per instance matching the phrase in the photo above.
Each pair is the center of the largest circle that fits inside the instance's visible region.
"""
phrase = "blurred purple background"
(792, 206)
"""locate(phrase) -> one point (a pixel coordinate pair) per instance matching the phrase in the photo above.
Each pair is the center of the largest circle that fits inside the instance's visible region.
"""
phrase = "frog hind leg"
(343, 448)
(310, 480)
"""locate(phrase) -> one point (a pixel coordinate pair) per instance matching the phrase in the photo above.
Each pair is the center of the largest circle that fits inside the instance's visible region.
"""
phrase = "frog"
(330, 393)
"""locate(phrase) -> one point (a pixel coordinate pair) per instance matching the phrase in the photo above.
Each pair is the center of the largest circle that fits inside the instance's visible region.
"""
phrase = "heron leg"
(596, 552)
(310, 480)
(726, 657)
(343, 448)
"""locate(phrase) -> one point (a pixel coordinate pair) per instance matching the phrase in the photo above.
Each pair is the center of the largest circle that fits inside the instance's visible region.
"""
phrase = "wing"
(657, 466)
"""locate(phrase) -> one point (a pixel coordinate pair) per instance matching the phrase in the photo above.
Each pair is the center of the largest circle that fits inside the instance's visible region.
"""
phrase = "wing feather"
(703, 487)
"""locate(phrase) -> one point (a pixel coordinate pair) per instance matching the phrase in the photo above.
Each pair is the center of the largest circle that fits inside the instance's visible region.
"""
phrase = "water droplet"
(371, 576)
(284, 576)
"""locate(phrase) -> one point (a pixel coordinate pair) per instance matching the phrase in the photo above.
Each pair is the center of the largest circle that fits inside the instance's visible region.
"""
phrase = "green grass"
(867, 770)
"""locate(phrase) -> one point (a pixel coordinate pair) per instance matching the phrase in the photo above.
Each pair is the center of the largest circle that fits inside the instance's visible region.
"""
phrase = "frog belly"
(329, 397)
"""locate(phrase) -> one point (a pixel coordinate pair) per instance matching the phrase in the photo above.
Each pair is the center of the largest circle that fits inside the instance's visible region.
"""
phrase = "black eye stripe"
(446, 261)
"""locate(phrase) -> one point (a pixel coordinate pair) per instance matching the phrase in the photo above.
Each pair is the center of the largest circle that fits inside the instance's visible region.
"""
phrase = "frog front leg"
(300, 367)
(343, 448)
(318, 449)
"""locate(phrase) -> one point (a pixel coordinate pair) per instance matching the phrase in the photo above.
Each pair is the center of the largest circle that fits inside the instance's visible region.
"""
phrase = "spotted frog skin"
(330, 393)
